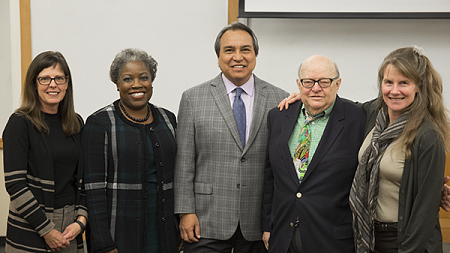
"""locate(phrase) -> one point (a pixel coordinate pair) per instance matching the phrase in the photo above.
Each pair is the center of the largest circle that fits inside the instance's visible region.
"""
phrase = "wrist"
(82, 226)
(83, 219)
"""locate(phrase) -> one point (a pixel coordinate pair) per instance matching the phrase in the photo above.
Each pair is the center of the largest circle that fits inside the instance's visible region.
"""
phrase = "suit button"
(161, 164)
(163, 200)
(400, 218)
(291, 224)
(157, 145)
(151, 129)
(163, 219)
(242, 159)
(238, 186)
(299, 195)
(400, 230)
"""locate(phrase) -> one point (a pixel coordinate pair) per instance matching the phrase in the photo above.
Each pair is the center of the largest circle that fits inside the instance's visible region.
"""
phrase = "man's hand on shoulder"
(445, 195)
(284, 104)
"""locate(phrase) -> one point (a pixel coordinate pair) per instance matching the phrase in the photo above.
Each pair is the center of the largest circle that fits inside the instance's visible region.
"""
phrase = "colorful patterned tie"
(301, 153)
(239, 115)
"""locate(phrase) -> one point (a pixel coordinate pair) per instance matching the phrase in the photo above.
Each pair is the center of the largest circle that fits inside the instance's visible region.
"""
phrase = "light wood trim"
(233, 11)
(25, 41)
(25, 37)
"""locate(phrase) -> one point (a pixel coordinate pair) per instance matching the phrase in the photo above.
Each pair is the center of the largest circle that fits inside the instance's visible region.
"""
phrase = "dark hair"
(236, 26)
(131, 55)
(31, 105)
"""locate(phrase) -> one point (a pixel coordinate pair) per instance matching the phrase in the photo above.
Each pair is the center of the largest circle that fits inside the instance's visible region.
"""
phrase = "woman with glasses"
(130, 150)
(43, 163)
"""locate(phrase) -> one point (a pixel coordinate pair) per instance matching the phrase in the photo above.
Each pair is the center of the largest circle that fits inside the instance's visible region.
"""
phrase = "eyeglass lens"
(58, 80)
(308, 83)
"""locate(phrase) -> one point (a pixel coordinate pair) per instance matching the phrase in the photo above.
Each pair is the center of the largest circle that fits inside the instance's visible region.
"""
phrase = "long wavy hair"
(31, 105)
(428, 104)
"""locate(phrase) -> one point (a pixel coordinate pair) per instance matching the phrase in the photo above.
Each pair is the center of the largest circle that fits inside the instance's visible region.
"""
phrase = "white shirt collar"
(248, 87)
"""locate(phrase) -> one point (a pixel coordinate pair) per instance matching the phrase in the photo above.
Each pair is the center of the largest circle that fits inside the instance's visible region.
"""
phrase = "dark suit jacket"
(321, 201)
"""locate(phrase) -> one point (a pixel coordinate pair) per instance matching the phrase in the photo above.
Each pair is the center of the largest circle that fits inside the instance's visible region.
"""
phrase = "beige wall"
(4, 198)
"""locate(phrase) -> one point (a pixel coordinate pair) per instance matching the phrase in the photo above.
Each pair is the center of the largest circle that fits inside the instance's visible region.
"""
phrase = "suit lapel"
(220, 97)
(331, 132)
(287, 127)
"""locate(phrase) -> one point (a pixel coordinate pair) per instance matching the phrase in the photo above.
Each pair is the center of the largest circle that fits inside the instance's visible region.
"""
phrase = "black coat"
(321, 201)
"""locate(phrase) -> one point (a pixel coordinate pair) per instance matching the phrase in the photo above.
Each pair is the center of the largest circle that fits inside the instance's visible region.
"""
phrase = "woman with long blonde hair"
(396, 191)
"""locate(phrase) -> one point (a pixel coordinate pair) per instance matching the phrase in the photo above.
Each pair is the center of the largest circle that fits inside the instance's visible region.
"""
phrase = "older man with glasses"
(311, 161)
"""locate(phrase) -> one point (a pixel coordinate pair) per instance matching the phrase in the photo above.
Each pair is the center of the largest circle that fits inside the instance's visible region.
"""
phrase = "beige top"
(390, 176)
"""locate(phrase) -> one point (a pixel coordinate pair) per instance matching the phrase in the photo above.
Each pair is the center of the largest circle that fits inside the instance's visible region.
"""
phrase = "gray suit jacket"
(214, 177)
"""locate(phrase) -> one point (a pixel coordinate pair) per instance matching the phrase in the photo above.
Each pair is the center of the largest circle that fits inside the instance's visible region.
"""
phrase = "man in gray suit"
(222, 140)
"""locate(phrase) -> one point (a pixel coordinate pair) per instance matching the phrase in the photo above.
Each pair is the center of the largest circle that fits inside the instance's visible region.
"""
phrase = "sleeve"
(16, 146)
(268, 187)
(96, 150)
(186, 156)
(82, 208)
(428, 175)
(82, 204)
(370, 109)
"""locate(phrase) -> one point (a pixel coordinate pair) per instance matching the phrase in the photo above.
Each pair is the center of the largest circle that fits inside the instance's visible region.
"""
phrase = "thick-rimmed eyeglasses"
(47, 80)
(323, 83)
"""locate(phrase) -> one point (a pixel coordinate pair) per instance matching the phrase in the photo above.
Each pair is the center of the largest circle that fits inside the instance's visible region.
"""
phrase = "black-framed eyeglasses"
(323, 83)
(45, 80)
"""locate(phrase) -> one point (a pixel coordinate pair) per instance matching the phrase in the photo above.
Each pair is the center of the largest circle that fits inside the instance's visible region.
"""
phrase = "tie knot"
(310, 118)
(238, 92)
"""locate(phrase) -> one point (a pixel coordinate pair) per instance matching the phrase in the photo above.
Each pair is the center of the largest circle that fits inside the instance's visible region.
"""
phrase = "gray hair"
(236, 26)
(131, 55)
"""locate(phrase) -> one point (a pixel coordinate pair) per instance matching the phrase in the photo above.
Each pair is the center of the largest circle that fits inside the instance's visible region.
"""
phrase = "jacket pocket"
(203, 188)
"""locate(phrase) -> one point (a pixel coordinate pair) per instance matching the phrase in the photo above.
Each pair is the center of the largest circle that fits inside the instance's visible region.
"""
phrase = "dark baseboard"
(2, 240)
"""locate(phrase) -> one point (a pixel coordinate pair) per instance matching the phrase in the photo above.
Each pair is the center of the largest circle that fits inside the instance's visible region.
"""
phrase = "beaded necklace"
(133, 118)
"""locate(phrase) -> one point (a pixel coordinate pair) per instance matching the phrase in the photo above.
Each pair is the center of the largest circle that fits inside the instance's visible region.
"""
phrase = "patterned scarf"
(364, 191)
